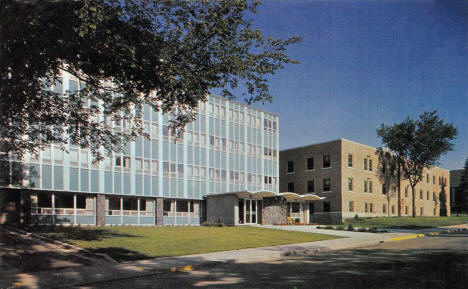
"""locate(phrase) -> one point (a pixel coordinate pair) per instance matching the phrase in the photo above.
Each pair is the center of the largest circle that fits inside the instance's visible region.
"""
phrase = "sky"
(364, 63)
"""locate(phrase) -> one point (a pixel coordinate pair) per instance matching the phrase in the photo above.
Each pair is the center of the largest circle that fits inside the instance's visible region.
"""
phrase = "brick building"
(346, 173)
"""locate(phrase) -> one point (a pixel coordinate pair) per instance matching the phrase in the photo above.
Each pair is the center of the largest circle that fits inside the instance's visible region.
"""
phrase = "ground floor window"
(384, 208)
(326, 207)
(351, 206)
(181, 208)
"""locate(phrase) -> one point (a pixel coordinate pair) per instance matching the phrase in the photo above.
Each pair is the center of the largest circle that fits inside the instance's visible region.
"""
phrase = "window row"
(326, 163)
(310, 186)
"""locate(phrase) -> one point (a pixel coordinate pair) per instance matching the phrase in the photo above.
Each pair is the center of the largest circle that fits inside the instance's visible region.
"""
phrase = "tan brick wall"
(301, 175)
(340, 196)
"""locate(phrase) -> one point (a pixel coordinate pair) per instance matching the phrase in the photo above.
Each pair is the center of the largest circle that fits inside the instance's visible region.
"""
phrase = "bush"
(329, 227)
(319, 227)
(362, 230)
(356, 217)
(340, 227)
(350, 227)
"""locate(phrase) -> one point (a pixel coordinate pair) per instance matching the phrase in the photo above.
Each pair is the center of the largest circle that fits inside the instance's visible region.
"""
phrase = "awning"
(289, 196)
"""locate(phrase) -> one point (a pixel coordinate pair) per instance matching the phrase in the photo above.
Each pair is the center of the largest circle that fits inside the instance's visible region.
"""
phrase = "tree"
(390, 175)
(418, 145)
(443, 199)
(127, 55)
(461, 192)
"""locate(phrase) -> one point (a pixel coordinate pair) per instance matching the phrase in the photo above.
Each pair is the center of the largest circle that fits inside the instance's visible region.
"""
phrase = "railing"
(61, 211)
(181, 214)
(129, 213)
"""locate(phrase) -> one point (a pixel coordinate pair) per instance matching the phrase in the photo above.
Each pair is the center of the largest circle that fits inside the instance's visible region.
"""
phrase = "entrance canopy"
(289, 196)
(293, 197)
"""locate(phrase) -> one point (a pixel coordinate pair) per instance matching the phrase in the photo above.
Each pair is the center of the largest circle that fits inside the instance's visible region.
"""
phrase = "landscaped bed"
(132, 243)
(407, 222)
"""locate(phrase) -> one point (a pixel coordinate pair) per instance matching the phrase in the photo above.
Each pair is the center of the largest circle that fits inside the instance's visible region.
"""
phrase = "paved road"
(430, 262)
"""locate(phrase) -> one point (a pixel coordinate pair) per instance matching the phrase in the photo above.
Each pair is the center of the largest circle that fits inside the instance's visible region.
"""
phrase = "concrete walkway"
(91, 274)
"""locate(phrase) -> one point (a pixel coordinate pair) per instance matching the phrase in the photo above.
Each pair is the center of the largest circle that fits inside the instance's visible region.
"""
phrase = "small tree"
(461, 193)
(418, 145)
(443, 198)
(389, 175)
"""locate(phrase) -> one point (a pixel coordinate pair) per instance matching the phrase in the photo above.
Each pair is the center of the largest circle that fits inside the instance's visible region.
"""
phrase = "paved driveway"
(430, 262)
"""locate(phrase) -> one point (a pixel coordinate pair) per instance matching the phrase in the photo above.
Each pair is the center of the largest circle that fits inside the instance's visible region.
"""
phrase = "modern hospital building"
(230, 147)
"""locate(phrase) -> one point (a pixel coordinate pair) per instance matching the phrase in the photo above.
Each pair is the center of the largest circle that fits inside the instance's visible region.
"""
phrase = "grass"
(408, 222)
(132, 243)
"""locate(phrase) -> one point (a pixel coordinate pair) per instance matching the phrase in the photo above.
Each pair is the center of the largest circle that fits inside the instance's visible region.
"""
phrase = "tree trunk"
(399, 189)
(413, 201)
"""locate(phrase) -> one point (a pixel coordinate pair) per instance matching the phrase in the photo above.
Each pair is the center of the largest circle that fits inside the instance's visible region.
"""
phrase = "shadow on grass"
(120, 254)
(77, 233)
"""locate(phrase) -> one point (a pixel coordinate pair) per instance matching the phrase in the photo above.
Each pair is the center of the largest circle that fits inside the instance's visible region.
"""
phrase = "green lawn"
(408, 222)
(132, 243)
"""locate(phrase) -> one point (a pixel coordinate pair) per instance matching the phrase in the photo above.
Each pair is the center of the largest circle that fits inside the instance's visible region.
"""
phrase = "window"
(370, 165)
(427, 178)
(118, 161)
(427, 195)
(371, 207)
(370, 186)
(310, 164)
(434, 196)
(350, 160)
(351, 206)
(384, 208)
(393, 192)
(326, 207)
(421, 194)
(384, 189)
(393, 209)
(291, 187)
(365, 186)
(326, 161)
(406, 192)
(326, 185)
(310, 186)
(126, 162)
(290, 166)
(433, 179)
(350, 184)
(182, 206)
(421, 211)
(434, 211)
(166, 207)
(366, 208)
(295, 208)
(365, 164)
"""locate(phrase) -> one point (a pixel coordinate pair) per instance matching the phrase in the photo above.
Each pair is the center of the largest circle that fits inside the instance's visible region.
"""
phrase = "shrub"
(340, 227)
(329, 227)
(350, 227)
(356, 217)
(362, 230)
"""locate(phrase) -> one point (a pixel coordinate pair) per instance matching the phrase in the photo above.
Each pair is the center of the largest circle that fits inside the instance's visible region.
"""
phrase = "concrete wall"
(101, 210)
(274, 210)
(222, 207)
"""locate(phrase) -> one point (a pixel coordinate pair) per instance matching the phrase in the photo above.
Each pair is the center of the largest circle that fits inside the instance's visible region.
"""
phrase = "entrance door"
(248, 211)
(241, 211)
(311, 212)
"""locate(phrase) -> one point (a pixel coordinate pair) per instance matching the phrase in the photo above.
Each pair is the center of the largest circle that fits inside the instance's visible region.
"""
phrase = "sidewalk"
(91, 274)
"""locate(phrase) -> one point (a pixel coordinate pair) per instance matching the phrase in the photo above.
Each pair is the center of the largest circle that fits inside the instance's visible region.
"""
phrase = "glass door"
(254, 211)
(247, 211)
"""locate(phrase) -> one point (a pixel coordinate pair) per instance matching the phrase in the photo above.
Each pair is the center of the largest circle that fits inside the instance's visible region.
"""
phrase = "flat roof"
(244, 104)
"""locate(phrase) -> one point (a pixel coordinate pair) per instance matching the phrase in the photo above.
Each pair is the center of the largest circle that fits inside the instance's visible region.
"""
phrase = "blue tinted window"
(84, 181)
(108, 182)
(46, 177)
(74, 179)
(58, 178)
(94, 181)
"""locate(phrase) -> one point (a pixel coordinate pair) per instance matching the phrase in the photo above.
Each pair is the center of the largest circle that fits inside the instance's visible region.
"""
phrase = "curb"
(413, 236)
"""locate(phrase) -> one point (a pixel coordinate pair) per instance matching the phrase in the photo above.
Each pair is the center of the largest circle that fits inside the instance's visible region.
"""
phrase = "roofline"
(245, 105)
(341, 140)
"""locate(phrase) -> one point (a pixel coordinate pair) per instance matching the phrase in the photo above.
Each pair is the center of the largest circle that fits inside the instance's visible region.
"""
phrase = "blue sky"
(364, 63)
